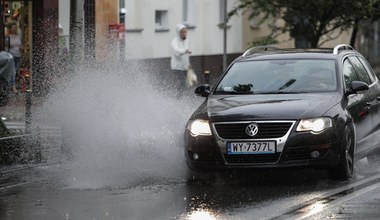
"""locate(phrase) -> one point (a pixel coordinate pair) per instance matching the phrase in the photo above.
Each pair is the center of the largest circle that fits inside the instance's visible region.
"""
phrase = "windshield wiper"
(257, 93)
(234, 92)
(279, 92)
(287, 84)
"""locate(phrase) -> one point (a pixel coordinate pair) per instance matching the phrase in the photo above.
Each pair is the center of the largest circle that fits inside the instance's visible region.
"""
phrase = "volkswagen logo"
(252, 129)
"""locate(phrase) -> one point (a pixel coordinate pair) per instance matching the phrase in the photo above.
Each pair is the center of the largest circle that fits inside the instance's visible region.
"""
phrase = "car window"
(369, 69)
(360, 70)
(279, 76)
(349, 73)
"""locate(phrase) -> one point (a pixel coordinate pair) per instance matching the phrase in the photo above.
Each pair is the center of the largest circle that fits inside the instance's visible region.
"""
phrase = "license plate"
(257, 147)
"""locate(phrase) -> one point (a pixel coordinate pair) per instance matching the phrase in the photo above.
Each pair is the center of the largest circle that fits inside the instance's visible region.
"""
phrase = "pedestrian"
(14, 47)
(180, 58)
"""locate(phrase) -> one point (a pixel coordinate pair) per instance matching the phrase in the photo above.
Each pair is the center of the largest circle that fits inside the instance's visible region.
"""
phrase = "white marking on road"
(11, 186)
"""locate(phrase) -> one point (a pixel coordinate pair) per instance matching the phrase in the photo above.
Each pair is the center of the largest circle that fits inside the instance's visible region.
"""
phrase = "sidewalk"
(14, 113)
(15, 106)
(17, 139)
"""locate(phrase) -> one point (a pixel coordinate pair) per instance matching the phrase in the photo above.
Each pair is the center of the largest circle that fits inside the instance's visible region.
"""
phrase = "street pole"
(28, 111)
(225, 36)
(2, 21)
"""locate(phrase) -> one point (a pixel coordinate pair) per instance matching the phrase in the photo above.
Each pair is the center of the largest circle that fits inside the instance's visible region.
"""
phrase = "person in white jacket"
(180, 60)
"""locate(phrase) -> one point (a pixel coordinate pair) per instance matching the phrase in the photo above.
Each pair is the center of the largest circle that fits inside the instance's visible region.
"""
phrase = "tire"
(345, 168)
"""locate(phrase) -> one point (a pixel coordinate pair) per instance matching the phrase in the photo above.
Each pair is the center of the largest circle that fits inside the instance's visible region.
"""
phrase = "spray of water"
(120, 124)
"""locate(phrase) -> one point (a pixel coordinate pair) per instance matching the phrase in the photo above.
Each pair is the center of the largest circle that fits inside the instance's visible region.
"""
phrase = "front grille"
(266, 130)
(259, 158)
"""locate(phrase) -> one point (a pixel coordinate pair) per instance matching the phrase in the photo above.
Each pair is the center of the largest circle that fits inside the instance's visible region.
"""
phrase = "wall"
(106, 13)
(144, 40)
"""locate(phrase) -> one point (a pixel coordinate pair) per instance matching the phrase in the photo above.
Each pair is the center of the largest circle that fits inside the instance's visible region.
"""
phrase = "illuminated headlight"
(315, 125)
(199, 127)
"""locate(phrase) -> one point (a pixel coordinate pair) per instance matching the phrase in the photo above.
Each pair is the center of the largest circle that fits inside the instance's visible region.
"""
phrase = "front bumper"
(296, 151)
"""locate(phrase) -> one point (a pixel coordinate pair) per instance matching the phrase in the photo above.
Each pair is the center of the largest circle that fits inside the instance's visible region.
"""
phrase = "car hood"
(264, 107)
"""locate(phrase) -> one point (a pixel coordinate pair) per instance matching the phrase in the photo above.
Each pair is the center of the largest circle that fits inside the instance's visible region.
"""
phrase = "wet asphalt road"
(57, 191)
(48, 192)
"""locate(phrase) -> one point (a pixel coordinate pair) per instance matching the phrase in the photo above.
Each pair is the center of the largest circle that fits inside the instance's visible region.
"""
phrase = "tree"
(307, 21)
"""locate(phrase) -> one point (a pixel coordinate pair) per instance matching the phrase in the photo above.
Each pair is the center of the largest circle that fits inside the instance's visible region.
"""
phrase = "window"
(280, 76)
(360, 71)
(189, 16)
(349, 73)
(161, 19)
(369, 69)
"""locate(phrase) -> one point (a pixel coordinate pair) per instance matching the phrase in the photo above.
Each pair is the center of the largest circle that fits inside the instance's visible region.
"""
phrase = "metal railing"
(253, 50)
(340, 47)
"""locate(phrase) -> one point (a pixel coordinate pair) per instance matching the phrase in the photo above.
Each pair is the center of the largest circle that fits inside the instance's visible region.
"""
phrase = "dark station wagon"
(277, 108)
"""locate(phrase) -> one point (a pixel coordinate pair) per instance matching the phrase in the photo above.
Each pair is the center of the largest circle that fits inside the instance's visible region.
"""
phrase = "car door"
(375, 90)
(371, 109)
(357, 106)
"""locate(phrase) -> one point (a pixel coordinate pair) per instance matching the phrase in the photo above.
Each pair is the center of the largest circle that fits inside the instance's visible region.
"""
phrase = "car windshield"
(279, 76)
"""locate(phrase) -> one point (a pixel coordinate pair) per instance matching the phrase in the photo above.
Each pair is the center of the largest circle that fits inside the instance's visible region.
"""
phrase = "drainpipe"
(225, 36)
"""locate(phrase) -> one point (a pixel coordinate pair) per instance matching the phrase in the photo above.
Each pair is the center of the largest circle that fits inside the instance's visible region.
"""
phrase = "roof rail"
(339, 47)
(252, 50)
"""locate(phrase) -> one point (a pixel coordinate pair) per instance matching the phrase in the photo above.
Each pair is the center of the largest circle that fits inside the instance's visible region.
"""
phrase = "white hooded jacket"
(179, 59)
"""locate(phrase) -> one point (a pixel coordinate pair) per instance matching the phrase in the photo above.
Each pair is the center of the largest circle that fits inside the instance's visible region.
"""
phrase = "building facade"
(150, 27)
(37, 28)
(131, 30)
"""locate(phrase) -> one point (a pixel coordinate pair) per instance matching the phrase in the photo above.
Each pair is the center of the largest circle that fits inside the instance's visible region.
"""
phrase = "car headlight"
(315, 125)
(199, 127)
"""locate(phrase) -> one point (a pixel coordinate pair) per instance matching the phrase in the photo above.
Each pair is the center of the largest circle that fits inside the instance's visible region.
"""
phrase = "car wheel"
(344, 170)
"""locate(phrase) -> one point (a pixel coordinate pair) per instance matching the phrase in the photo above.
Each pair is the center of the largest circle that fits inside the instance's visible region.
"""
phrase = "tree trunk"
(354, 33)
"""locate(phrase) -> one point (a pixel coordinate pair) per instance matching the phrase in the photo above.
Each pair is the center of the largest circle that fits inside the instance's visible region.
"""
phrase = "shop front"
(36, 23)
(16, 37)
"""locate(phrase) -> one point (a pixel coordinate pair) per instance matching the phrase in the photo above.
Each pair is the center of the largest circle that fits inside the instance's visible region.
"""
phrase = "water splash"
(121, 123)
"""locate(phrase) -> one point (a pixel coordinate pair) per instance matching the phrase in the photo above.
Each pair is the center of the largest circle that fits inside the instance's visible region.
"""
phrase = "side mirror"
(202, 90)
(358, 87)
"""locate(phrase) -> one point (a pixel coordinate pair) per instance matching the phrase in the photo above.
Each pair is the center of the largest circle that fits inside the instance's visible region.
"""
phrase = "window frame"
(163, 22)
(369, 69)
